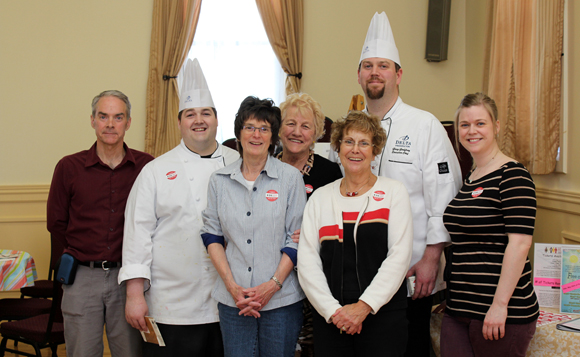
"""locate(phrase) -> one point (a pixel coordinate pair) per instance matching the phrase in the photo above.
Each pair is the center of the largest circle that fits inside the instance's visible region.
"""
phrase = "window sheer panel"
(236, 57)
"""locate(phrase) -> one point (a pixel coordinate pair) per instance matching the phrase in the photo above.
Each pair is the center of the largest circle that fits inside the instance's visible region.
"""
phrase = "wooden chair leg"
(3, 346)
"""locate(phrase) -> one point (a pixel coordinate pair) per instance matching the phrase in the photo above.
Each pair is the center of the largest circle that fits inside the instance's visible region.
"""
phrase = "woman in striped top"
(492, 308)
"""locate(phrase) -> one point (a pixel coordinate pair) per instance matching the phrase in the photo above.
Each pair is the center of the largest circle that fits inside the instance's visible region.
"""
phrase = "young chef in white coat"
(419, 154)
(168, 272)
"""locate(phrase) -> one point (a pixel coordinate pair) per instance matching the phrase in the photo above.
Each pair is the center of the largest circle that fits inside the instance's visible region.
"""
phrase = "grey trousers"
(93, 301)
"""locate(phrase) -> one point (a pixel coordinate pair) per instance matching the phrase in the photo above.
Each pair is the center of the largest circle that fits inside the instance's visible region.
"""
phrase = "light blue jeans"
(273, 334)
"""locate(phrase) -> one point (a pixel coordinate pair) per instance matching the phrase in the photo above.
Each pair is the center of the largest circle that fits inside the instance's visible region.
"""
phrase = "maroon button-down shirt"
(86, 203)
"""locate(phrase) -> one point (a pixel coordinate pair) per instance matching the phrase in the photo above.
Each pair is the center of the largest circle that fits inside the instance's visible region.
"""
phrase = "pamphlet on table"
(570, 283)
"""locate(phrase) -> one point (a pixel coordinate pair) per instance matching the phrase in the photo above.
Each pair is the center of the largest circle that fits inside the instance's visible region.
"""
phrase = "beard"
(375, 94)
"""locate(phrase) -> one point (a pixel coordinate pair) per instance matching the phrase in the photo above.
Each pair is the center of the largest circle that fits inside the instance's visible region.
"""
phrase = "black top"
(322, 173)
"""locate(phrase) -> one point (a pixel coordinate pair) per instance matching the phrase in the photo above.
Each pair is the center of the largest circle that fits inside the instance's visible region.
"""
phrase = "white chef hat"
(380, 41)
(194, 90)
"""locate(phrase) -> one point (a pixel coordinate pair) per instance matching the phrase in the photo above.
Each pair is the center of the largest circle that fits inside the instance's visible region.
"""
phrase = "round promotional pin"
(272, 195)
(478, 191)
(309, 188)
(378, 195)
(171, 175)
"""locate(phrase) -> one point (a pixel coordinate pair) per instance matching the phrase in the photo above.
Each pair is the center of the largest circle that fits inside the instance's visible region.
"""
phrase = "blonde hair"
(472, 100)
(304, 103)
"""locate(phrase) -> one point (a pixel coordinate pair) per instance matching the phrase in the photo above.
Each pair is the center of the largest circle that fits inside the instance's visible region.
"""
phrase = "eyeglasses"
(252, 129)
(361, 144)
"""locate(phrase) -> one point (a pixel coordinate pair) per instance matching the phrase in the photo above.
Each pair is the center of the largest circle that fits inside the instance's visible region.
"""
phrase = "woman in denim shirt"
(253, 207)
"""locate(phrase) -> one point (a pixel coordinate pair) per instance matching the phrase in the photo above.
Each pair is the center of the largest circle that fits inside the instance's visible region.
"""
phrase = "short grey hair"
(116, 94)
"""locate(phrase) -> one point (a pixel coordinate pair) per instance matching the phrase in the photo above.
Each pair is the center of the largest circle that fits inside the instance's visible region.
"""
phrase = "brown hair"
(359, 121)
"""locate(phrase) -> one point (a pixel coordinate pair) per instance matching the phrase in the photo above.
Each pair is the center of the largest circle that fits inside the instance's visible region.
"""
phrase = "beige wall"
(55, 56)
(334, 35)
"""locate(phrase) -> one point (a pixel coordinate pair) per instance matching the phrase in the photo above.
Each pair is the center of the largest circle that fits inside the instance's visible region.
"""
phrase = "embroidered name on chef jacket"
(402, 145)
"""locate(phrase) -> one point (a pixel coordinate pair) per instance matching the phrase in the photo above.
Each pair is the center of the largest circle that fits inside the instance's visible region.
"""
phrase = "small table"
(547, 342)
(17, 270)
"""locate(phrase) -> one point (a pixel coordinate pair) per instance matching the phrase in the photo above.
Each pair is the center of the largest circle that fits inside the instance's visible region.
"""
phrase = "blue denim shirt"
(256, 226)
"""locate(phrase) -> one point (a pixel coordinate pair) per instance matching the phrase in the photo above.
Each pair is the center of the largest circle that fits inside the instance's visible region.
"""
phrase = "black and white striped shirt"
(479, 219)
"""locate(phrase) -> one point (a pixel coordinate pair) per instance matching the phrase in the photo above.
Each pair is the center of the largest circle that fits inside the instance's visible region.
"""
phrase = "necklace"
(354, 193)
(307, 166)
(484, 166)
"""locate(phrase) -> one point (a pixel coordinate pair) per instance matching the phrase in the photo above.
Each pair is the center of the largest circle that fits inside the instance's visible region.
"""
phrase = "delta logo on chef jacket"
(402, 145)
(272, 195)
(309, 188)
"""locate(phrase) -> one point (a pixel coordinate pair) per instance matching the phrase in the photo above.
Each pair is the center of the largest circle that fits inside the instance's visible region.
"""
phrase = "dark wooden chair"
(231, 143)
(43, 288)
(42, 331)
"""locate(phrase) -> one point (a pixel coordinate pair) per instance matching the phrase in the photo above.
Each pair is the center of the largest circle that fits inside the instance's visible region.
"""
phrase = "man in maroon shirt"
(86, 206)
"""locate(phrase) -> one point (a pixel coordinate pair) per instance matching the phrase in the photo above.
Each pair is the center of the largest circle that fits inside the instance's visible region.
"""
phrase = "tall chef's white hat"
(380, 41)
(194, 90)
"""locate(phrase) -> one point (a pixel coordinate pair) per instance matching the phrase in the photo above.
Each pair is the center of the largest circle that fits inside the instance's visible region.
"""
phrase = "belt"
(106, 265)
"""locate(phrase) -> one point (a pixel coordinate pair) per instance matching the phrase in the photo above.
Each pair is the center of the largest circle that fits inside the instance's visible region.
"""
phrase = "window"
(237, 60)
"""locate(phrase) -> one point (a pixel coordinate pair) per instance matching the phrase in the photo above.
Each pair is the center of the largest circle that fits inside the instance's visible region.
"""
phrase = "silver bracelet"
(276, 281)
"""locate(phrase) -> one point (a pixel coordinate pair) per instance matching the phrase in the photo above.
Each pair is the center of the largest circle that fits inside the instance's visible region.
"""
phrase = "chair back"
(56, 250)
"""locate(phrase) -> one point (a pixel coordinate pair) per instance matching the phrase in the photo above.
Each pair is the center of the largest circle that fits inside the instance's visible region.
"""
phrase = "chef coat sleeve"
(441, 180)
(140, 225)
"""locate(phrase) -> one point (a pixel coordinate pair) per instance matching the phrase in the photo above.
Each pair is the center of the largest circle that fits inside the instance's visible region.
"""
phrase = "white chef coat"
(161, 237)
(418, 153)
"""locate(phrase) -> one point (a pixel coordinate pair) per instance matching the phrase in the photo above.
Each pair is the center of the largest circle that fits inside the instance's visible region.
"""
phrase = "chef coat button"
(250, 269)
(249, 241)
(185, 160)
(255, 188)
(197, 199)
(206, 268)
(247, 214)
(111, 229)
(191, 179)
(113, 210)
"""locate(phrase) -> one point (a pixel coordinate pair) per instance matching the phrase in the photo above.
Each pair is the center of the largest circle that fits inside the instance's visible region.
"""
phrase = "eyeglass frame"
(252, 129)
(357, 144)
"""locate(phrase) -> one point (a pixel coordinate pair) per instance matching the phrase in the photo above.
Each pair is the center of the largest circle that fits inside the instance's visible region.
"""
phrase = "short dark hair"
(262, 110)
(181, 112)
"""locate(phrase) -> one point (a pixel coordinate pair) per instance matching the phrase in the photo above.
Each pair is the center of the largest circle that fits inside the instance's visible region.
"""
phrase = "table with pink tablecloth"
(17, 270)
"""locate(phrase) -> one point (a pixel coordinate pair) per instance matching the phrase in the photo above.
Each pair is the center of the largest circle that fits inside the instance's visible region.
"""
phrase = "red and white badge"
(478, 191)
(378, 195)
(309, 188)
(171, 175)
(272, 195)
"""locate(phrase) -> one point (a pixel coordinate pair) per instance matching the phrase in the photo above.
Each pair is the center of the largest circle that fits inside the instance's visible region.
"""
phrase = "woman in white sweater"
(355, 248)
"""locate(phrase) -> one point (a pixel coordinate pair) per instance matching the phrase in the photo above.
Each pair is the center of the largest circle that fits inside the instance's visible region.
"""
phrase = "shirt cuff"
(209, 238)
(291, 253)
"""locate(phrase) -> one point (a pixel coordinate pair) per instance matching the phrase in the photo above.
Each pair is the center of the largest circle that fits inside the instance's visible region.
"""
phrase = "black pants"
(383, 334)
(419, 316)
(187, 340)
